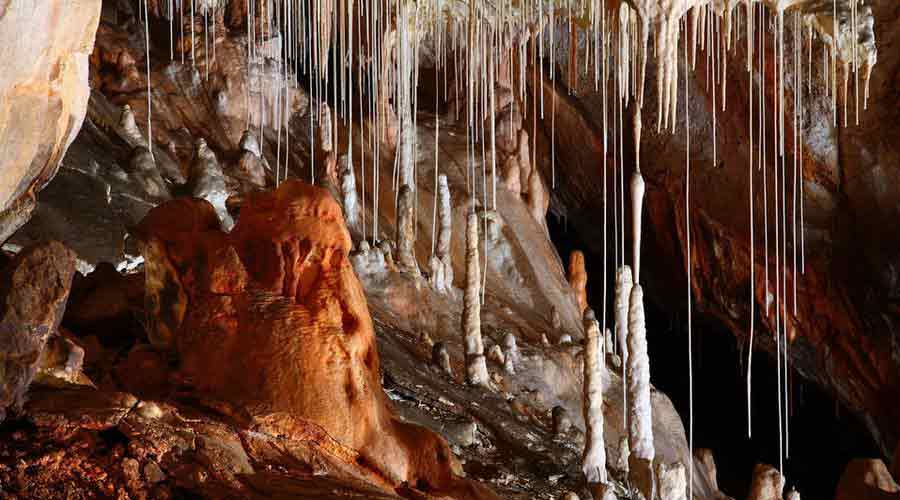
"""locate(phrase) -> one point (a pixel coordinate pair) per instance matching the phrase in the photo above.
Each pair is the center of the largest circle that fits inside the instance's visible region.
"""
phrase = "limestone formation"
(578, 279)
(267, 304)
(792, 495)
(624, 284)
(34, 288)
(441, 261)
(406, 232)
(671, 481)
(252, 165)
(207, 181)
(511, 353)
(128, 128)
(640, 430)
(349, 199)
(441, 358)
(866, 479)
(593, 459)
(476, 368)
(44, 91)
(143, 170)
(640, 420)
(767, 484)
(637, 206)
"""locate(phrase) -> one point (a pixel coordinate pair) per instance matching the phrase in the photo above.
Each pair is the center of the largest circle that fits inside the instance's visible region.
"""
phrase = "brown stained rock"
(578, 278)
(34, 288)
(866, 479)
(79, 407)
(271, 319)
(44, 94)
(767, 484)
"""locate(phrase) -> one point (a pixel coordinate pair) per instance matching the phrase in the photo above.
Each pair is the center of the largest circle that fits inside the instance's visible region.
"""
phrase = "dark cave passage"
(824, 436)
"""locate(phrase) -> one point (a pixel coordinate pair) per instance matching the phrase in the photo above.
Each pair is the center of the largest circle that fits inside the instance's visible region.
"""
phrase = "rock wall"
(44, 93)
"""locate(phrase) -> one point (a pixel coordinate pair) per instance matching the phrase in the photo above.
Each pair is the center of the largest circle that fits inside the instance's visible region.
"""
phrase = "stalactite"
(637, 204)
(594, 456)
(476, 369)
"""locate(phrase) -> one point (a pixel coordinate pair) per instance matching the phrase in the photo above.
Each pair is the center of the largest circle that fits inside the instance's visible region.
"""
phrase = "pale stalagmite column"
(767, 484)
(623, 296)
(476, 368)
(578, 279)
(640, 421)
(406, 235)
(441, 264)
(349, 199)
(594, 457)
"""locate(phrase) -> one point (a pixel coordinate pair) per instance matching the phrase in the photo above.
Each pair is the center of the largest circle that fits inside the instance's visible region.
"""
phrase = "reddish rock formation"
(34, 288)
(271, 319)
(866, 479)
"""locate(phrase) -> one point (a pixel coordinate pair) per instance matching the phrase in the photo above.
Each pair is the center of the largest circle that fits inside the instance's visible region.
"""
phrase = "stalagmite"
(792, 495)
(578, 279)
(441, 262)
(594, 457)
(671, 481)
(623, 296)
(640, 422)
(208, 182)
(441, 358)
(476, 369)
(767, 484)
(406, 234)
(510, 354)
(349, 198)
(128, 127)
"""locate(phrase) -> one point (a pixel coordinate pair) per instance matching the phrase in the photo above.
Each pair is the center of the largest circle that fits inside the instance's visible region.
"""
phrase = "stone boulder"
(34, 288)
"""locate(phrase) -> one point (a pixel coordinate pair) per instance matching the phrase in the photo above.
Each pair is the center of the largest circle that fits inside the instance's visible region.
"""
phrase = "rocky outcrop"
(866, 479)
(34, 288)
(271, 320)
(44, 91)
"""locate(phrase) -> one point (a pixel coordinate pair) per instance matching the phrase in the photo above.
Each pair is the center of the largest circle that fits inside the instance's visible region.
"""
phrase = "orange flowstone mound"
(271, 319)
